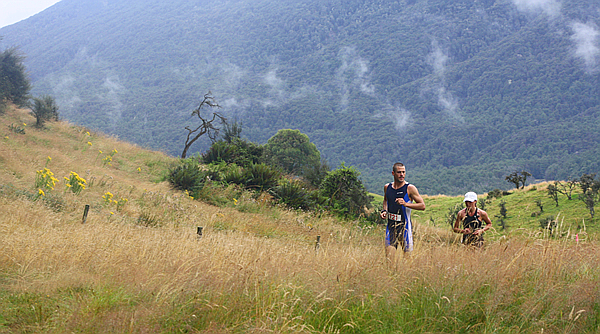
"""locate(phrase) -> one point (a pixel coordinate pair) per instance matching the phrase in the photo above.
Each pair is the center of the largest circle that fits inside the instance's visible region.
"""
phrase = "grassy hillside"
(138, 266)
(370, 82)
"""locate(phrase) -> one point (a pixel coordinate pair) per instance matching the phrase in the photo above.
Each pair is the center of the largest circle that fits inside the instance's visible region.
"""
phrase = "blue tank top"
(392, 206)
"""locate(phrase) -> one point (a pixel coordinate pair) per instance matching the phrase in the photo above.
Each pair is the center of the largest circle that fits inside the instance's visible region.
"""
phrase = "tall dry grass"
(233, 280)
(143, 269)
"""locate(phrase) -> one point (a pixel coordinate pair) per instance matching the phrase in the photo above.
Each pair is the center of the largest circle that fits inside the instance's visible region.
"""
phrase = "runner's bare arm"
(384, 211)
(417, 200)
(459, 217)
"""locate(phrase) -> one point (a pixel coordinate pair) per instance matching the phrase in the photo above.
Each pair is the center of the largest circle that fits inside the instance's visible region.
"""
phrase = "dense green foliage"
(188, 176)
(292, 151)
(461, 92)
(44, 109)
(295, 194)
(238, 151)
(14, 83)
(234, 161)
(345, 192)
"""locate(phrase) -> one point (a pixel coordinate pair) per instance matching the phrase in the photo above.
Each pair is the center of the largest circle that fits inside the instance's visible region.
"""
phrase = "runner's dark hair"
(399, 164)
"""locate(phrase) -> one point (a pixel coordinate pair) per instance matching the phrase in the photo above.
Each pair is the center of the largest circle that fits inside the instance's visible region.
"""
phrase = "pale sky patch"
(13, 11)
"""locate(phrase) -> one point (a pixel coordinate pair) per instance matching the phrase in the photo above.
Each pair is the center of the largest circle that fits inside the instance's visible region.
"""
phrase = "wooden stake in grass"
(199, 232)
(85, 213)
(318, 243)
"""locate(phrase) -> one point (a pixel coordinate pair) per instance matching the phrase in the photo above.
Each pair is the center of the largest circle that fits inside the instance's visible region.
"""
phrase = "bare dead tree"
(566, 188)
(209, 125)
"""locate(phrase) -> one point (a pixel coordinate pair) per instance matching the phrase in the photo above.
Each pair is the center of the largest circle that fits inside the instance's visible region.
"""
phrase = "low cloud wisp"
(587, 45)
(549, 7)
(449, 104)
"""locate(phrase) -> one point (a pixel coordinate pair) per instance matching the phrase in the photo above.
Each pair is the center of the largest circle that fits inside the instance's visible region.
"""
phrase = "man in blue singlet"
(472, 219)
(399, 199)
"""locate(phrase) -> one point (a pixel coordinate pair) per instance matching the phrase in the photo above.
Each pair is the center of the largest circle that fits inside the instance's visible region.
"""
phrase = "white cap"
(470, 197)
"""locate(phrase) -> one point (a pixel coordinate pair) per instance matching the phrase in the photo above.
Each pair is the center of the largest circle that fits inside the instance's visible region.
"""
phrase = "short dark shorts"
(395, 234)
(473, 240)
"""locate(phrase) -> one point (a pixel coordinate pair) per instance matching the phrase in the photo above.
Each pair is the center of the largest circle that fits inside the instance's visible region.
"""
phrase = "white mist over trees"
(370, 83)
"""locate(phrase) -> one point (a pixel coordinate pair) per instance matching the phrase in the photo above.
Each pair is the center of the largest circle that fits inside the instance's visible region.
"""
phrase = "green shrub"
(315, 174)
(14, 83)
(219, 151)
(346, 195)
(293, 194)
(292, 151)
(216, 194)
(260, 177)
(234, 175)
(187, 176)
(238, 151)
(496, 193)
(548, 223)
(44, 109)
(220, 171)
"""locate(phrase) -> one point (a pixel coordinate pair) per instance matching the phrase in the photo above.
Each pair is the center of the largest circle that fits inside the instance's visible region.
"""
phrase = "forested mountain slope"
(463, 92)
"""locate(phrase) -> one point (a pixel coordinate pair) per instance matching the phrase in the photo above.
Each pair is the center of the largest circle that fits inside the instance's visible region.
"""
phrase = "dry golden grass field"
(137, 264)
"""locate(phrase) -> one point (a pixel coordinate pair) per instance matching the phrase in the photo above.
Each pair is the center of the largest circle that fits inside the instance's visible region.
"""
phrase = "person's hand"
(400, 201)
(478, 232)
(466, 231)
(383, 214)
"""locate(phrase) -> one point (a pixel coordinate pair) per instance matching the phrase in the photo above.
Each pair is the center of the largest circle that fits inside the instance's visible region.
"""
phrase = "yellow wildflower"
(89, 143)
(41, 192)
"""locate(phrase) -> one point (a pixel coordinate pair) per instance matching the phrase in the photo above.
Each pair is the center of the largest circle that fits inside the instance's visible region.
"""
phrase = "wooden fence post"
(85, 213)
(199, 231)
(318, 243)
